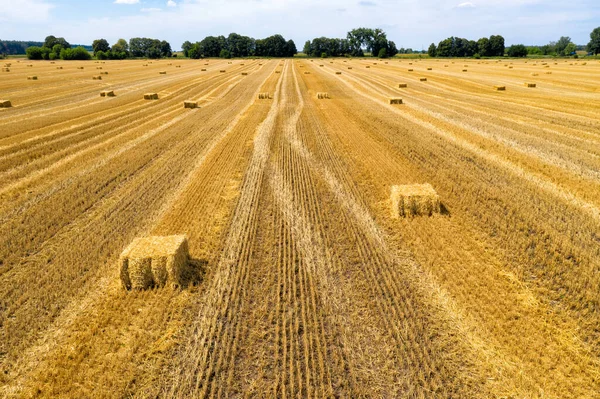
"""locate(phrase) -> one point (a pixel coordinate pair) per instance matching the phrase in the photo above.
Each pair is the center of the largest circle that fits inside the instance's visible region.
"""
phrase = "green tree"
(483, 47)
(570, 49)
(432, 51)
(34, 53)
(77, 53)
(517, 50)
(121, 46)
(594, 44)
(224, 54)
(307, 48)
(496, 46)
(100, 45)
(52, 41)
(186, 46)
(562, 44)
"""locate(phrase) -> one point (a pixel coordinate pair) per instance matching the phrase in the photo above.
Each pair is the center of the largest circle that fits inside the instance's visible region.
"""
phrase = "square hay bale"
(548, 73)
(5, 104)
(98, 67)
(30, 65)
(306, 73)
(52, 62)
(534, 74)
(413, 200)
(107, 93)
(244, 73)
(423, 79)
(464, 70)
(367, 66)
(5, 69)
(59, 67)
(510, 67)
(222, 71)
(349, 67)
(229, 62)
(403, 85)
(410, 70)
(395, 100)
(151, 96)
(500, 88)
(321, 65)
(242, 64)
(277, 71)
(322, 95)
(162, 72)
(8, 65)
(190, 104)
(446, 66)
(264, 96)
(203, 70)
(155, 261)
(429, 69)
(338, 73)
(527, 84)
(96, 77)
(32, 78)
(79, 67)
(103, 73)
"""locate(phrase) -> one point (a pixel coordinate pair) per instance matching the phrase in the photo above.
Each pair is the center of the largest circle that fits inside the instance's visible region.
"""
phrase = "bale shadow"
(444, 211)
(195, 273)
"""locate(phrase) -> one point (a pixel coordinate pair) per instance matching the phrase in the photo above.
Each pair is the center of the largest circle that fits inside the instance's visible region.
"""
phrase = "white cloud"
(171, 3)
(466, 4)
(127, 1)
(151, 9)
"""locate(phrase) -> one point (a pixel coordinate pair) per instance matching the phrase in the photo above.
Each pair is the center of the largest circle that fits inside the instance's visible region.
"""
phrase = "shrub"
(225, 54)
(77, 53)
(382, 53)
(517, 50)
(323, 55)
(34, 53)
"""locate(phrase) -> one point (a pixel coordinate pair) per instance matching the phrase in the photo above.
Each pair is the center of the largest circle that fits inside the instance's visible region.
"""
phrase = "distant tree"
(570, 49)
(392, 49)
(517, 50)
(432, 50)
(121, 47)
(77, 53)
(34, 53)
(224, 54)
(52, 41)
(165, 49)
(534, 50)
(100, 45)
(496, 46)
(562, 44)
(594, 44)
(483, 47)
(307, 48)
(291, 48)
(186, 46)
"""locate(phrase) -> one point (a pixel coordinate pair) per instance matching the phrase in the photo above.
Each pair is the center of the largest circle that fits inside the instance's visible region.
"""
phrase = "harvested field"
(447, 247)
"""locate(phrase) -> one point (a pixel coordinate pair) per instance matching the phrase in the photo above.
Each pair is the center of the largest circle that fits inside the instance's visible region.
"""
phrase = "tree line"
(57, 48)
(140, 47)
(356, 42)
(460, 47)
(236, 45)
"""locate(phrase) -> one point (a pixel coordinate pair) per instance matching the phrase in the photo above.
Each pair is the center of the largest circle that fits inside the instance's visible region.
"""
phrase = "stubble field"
(309, 287)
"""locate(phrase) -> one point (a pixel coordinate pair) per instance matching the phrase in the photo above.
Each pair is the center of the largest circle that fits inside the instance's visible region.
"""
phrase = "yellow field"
(310, 288)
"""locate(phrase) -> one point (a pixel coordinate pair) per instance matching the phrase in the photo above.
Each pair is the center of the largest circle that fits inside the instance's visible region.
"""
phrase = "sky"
(409, 23)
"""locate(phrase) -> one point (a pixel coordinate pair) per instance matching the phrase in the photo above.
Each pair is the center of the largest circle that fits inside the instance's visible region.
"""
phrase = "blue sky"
(410, 23)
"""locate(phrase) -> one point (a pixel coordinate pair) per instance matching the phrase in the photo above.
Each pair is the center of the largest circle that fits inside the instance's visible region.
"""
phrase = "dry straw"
(322, 95)
(395, 100)
(151, 96)
(413, 200)
(5, 104)
(190, 104)
(155, 261)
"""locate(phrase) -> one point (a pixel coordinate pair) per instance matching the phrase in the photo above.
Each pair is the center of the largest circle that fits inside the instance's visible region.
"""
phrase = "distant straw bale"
(162, 72)
(528, 84)
(264, 96)
(107, 93)
(413, 200)
(5, 104)
(338, 73)
(500, 88)
(155, 262)
(403, 85)
(395, 100)
(151, 96)
(190, 104)
(322, 95)
(32, 78)
(410, 70)
(423, 79)
(97, 77)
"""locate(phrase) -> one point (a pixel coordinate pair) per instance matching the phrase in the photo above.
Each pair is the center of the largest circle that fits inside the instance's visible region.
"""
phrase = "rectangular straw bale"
(500, 88)
(403, 85)
(190, 104)
(59, 67)
(107, 93)
(32, 78)
(527, 84)
(413, 200)
(79, 67)
(395, 100)
(429, 69)
(410, 70)
(464, 70)
(264, 96)
(349, 67)
(155, 262)
(423, 79)
(151, 96)
(162, 72)
(306, 72)
(338, 73)
(322, 95)
(367, 66)
(97, 77)
(222, 71)
(244, 73)
(103, 73)
(5, 69)
(5, 104)
(203, 70)
(98, 67)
